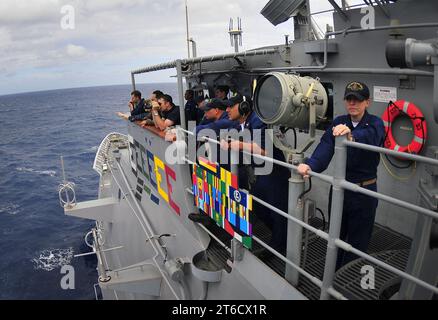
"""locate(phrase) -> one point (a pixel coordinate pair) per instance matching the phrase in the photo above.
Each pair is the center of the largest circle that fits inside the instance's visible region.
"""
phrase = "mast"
(187, 30)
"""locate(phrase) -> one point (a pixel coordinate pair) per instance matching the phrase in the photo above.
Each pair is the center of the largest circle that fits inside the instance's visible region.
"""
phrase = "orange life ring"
(418, 122)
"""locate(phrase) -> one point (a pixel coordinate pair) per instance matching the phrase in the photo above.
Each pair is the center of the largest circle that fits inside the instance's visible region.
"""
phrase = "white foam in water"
(51, 173)
(90, 150)
(10, 208)
(51, 259)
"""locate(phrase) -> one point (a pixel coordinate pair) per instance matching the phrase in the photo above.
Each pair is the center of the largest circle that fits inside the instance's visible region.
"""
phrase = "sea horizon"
(36, 238)
(86, 87)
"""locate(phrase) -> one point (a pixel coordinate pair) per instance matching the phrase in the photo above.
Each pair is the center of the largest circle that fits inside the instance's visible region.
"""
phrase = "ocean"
(36, 238)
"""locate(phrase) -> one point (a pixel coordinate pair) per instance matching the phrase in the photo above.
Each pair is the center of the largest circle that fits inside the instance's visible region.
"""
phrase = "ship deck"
(386, 245)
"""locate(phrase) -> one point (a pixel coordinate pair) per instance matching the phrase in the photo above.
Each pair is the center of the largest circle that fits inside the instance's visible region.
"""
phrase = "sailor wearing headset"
(273, 187)
(359, 210)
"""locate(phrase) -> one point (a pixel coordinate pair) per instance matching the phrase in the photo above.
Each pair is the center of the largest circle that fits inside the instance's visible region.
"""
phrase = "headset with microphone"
(244, 107)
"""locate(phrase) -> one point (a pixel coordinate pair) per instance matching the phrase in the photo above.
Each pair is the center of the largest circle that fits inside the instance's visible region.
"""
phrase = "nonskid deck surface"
(386, 245)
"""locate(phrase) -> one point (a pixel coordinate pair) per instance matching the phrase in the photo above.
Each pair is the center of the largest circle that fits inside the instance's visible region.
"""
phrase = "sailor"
(140, 109)
(262, 186)
(215, 118)
(165, 113)
(358, 210)
(190, 109)
(199, 103)
(214, 112)
(136, 105)
(146, 116)
(221, 92)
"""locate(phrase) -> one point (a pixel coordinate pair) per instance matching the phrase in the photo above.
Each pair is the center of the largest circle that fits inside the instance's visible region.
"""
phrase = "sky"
(41, 49)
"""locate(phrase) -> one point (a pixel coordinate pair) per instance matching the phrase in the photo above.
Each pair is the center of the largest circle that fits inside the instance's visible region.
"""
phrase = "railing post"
(234, 162)
(340, 165)
(294, 231)
(133, 81)
(103, 276)
(181, 94)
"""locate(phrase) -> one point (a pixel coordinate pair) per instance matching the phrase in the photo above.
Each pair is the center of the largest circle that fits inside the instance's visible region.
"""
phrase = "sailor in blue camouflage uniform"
(358, 210)
(240, 109)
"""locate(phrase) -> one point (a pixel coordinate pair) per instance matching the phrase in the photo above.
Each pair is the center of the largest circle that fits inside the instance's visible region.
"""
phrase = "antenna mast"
(187, 30)
(235, 34)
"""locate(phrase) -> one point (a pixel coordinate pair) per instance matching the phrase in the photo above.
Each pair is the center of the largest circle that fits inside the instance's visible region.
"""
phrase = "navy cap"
(214, 104)
(356, 89)
(199, 99)
(234, 100)
(223, 88)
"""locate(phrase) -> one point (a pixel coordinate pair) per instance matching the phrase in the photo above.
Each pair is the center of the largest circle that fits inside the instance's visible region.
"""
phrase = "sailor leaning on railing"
(239, 116)
(140, 109)
(358, 210)
(240, 109)
(159, 110)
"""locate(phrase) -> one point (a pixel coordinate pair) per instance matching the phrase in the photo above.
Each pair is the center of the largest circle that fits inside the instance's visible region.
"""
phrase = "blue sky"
(113, 37)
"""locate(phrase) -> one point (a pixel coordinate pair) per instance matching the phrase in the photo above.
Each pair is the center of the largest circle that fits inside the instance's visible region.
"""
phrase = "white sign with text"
(385, 94)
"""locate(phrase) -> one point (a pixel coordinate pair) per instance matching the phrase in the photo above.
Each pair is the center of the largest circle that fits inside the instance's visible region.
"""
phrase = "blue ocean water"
(36, 238)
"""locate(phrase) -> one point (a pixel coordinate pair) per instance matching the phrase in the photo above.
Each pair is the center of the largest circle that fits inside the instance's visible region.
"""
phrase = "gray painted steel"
(143, 202)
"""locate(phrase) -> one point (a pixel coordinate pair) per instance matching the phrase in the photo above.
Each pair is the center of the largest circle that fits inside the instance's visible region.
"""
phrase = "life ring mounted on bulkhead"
(403, 107)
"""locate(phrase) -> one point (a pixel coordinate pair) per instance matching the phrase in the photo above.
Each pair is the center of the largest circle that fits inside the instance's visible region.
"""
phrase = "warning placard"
(385, 94)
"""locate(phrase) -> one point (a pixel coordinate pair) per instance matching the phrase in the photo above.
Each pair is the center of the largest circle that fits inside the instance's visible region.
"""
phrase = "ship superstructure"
(148, 246)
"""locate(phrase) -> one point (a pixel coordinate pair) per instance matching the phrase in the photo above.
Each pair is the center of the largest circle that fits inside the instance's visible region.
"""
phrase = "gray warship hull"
(148, 248)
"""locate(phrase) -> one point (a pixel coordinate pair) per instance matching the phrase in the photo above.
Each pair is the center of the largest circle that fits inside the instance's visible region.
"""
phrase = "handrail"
(102, 151)
(407, 156)
(333, 10)
(173, 64)
(145, 225)
(343, 184)
(380, 28)
(355, 188)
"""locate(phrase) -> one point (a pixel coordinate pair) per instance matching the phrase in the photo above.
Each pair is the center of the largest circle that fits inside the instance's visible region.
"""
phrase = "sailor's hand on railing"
(147, 122)
(304, 169)
(170, 135)
(235, 145)
(224, 145)
(341, 130)
(123, 115)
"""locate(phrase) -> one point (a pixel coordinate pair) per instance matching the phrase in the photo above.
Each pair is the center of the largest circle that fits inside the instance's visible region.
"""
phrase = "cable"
(165, 253)
(323, 218)
(284, 130)
(164, 246)
(397, 166)
(398, 177)
(317, 25)
(306, 191)
(295, 137)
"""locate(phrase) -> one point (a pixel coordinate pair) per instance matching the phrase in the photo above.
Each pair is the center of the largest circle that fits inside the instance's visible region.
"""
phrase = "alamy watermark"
(68, 281)
(368, 281)
(368, 21)
(68, 20)
(223, 149)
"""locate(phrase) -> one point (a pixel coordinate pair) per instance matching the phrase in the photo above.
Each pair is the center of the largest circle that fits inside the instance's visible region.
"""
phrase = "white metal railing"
(102, 151)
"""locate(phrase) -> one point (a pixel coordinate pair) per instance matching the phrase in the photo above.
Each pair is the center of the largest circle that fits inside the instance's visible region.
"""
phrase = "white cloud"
(75, 51)
(126, 34)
